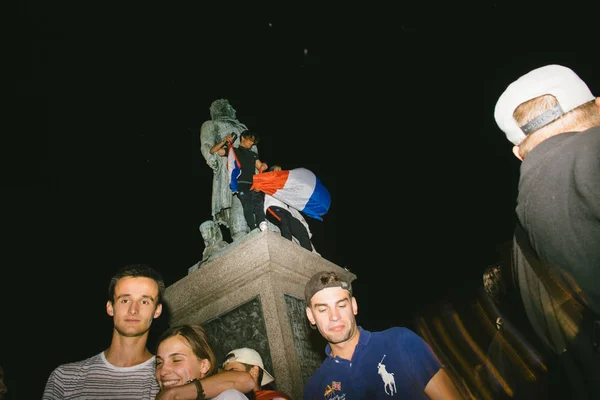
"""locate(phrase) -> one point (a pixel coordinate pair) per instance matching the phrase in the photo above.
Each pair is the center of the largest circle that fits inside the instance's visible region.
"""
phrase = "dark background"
(391, 107)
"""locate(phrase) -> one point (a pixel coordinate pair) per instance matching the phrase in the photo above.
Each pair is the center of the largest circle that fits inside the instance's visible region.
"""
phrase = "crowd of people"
(553, 120)
(183, 365)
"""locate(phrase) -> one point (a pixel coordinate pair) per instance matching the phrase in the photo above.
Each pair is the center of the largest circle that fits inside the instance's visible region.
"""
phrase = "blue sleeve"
(423, 363)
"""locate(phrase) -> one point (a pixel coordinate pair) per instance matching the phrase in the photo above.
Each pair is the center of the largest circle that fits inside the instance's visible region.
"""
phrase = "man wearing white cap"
(248, 360)
(553, 120)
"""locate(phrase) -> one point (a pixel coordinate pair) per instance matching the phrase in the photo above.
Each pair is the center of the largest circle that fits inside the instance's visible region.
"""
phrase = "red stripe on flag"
(270, 182)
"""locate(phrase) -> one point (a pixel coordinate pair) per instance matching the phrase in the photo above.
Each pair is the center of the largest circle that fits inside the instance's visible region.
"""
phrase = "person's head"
(183, 353)
(542, 103)
(248, 360)
(330, 306)
(248, 139)
(135, 295)
(274, 168)
(221, 108)
(3, 388)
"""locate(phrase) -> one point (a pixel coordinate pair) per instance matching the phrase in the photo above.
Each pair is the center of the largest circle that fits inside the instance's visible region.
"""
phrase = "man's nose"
(334, 315)
(134, 309)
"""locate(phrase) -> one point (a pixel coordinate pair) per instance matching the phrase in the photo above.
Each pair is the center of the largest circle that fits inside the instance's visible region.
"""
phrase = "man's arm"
(218, 147)
(441, 387)
(213, 386)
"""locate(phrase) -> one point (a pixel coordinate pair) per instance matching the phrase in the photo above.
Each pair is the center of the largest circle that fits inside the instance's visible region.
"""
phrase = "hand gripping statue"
(226, 208)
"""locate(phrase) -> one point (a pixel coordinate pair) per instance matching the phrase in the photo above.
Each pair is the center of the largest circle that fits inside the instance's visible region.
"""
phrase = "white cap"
(250, 357)
(559, 81)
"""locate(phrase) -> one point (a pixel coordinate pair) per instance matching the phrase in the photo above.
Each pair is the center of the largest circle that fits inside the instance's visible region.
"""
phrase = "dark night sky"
(392, 109)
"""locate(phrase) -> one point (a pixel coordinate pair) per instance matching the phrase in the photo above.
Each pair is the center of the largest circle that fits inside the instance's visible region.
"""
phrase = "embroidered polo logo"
(330, 390)
(388, 378)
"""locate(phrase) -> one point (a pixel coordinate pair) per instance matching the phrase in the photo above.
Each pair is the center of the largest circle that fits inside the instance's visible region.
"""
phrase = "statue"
(213, 239)
(226, 208)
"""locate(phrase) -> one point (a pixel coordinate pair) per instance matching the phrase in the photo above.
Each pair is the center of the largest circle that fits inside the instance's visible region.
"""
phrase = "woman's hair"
(196, 337)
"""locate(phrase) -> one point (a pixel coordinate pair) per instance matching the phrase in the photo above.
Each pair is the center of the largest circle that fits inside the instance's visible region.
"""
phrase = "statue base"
(251, 294)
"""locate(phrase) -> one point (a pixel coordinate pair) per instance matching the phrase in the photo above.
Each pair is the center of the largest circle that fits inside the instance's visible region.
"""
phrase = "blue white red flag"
(299, 188)
(234, 168)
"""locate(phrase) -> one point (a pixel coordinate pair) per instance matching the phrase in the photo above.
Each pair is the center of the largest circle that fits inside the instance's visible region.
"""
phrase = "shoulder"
(572, 157)
(69, 374)
(566, 142)
(592, 134)
(576, 140)
(587, 143)
(405, 342)
(395, 333)
(76, 366)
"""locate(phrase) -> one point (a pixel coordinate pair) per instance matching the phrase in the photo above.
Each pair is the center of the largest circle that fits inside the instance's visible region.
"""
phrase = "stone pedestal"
(252, 295)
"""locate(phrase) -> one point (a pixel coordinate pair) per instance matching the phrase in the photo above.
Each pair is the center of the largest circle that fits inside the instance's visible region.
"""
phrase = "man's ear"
(516, 152)
(254, 372)
(310, 316)
(109, 309)
(158, 311)
(354, 305)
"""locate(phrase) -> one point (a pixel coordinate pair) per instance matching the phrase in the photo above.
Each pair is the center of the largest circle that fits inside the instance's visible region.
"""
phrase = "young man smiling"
(125, 370)
(367, 365)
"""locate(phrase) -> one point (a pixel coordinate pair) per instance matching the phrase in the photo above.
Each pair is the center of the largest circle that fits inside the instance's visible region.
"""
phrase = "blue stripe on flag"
(234, 169)
(319, 202)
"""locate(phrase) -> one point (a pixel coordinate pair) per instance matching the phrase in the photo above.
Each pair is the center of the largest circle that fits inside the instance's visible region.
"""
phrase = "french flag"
(233, 165)
(298, 188)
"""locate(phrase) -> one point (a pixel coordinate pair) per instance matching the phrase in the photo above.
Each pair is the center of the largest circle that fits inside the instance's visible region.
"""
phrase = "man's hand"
(261, 166)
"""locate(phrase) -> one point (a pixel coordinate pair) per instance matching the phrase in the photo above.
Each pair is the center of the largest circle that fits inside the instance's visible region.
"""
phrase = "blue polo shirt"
(395, 362)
